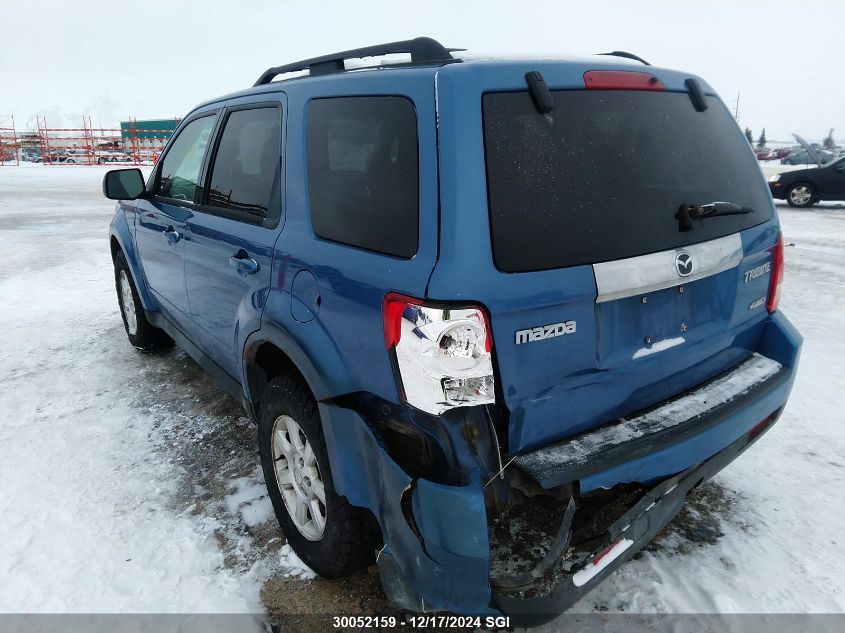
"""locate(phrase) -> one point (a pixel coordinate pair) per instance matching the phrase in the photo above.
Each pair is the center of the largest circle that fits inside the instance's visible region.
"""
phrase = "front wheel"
(141, 333)
(800, 195)
(332, 537)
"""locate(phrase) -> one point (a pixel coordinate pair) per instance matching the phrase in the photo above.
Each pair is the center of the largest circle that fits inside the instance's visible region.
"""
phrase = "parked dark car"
(806, 187)
(457, 296)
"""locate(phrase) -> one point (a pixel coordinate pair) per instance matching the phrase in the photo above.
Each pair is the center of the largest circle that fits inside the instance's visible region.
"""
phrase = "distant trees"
(749, 136)
(761, 141)
(828, 142)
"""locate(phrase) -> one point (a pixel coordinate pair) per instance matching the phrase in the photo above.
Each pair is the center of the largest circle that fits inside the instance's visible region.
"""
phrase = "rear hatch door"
(602, 301)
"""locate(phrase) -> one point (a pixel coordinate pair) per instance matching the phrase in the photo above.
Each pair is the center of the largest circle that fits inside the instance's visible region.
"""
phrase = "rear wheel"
(141, 333)
(329, 535)
(800, 195)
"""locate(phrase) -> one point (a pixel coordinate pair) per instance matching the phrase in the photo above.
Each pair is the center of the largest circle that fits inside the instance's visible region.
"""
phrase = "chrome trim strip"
(646, 273)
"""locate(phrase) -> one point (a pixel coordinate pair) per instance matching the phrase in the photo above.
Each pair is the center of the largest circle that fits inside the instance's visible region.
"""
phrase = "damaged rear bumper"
(625, 537)
(437, 552)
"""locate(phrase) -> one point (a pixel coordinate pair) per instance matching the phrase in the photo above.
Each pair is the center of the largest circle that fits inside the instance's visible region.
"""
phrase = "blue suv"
(493, 319)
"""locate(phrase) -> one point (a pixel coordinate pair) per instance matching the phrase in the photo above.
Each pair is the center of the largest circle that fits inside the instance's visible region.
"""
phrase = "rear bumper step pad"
(629, 438)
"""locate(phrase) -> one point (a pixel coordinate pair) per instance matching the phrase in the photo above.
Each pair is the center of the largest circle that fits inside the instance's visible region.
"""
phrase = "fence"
(134, 143)
(8, 142)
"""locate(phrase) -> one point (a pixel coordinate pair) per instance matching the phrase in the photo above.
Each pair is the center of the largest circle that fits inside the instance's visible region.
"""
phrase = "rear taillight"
(621, 80)
(776, 275)
(443, 353)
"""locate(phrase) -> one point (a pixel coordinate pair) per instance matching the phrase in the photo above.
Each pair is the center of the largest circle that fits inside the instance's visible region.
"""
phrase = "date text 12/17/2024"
(416, 621)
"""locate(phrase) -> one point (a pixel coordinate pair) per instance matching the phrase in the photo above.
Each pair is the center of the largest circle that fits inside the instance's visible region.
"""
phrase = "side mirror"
(123, 184)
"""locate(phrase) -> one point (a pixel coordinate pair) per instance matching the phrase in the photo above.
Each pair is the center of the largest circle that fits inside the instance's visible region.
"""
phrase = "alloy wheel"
(298, 477)
(127, 303)
(800, 195)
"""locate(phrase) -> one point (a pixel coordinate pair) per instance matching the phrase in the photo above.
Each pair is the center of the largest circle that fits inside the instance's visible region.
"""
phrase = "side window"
(181, 165)
(247, 161)
(363, 172)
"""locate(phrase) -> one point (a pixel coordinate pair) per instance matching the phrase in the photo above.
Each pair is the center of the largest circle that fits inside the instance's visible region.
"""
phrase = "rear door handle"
(245, 264)
(172, 235)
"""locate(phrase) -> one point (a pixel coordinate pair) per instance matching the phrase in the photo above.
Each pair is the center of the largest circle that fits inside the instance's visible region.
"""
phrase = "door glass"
(181, 165)
(247, 161)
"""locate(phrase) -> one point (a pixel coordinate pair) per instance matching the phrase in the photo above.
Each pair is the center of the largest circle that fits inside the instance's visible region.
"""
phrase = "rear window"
(363, 172)
(602, 176)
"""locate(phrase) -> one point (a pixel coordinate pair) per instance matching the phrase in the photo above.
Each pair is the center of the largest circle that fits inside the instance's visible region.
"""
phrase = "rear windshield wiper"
(688, 212)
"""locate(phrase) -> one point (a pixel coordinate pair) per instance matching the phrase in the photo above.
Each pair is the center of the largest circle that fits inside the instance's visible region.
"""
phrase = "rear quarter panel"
(342, 350)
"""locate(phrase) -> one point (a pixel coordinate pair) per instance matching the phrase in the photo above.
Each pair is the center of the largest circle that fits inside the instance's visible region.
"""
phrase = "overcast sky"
(151, 59)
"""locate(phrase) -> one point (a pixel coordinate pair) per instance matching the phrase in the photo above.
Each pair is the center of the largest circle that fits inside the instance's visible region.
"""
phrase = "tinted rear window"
(602, 175)
(363, 172)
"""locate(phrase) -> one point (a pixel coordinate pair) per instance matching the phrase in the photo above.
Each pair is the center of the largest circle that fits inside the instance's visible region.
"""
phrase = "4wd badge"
(545, 331)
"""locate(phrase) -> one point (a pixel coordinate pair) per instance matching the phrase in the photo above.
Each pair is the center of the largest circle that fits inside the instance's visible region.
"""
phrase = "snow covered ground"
(129, 483)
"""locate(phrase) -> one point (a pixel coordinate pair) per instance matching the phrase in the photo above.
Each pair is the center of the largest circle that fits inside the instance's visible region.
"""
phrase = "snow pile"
(249, 499)
(659, 346)
(294, 566)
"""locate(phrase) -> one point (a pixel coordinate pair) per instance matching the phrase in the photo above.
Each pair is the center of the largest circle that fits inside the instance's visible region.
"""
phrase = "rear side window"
(602, 176)
(180, 168)
(247, 161)
(363, 172)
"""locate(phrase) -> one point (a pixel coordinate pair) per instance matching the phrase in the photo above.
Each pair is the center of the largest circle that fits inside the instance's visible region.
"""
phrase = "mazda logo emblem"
(684, 263)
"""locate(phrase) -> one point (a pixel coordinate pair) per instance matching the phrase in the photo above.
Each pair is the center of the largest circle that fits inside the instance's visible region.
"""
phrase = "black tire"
(350, 536)
(146, 337)
(796, 195)
(101, 161)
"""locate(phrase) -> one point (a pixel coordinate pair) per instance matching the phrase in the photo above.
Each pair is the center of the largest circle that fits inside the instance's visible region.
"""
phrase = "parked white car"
(111, 156)
(77, 157)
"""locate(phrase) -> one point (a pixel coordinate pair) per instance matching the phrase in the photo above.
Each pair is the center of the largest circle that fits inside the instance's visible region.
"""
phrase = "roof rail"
(423, 50)
(627, 55)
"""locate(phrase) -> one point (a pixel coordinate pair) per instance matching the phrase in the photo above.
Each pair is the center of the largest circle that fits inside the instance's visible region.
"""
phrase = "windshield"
(602, 176)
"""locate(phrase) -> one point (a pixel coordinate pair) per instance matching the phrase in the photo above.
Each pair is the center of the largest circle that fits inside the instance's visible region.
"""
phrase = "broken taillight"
(442, 352)
(776, 278)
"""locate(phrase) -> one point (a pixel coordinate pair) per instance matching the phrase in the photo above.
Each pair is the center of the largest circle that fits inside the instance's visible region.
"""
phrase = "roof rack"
(423, 50)
(627, 55)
